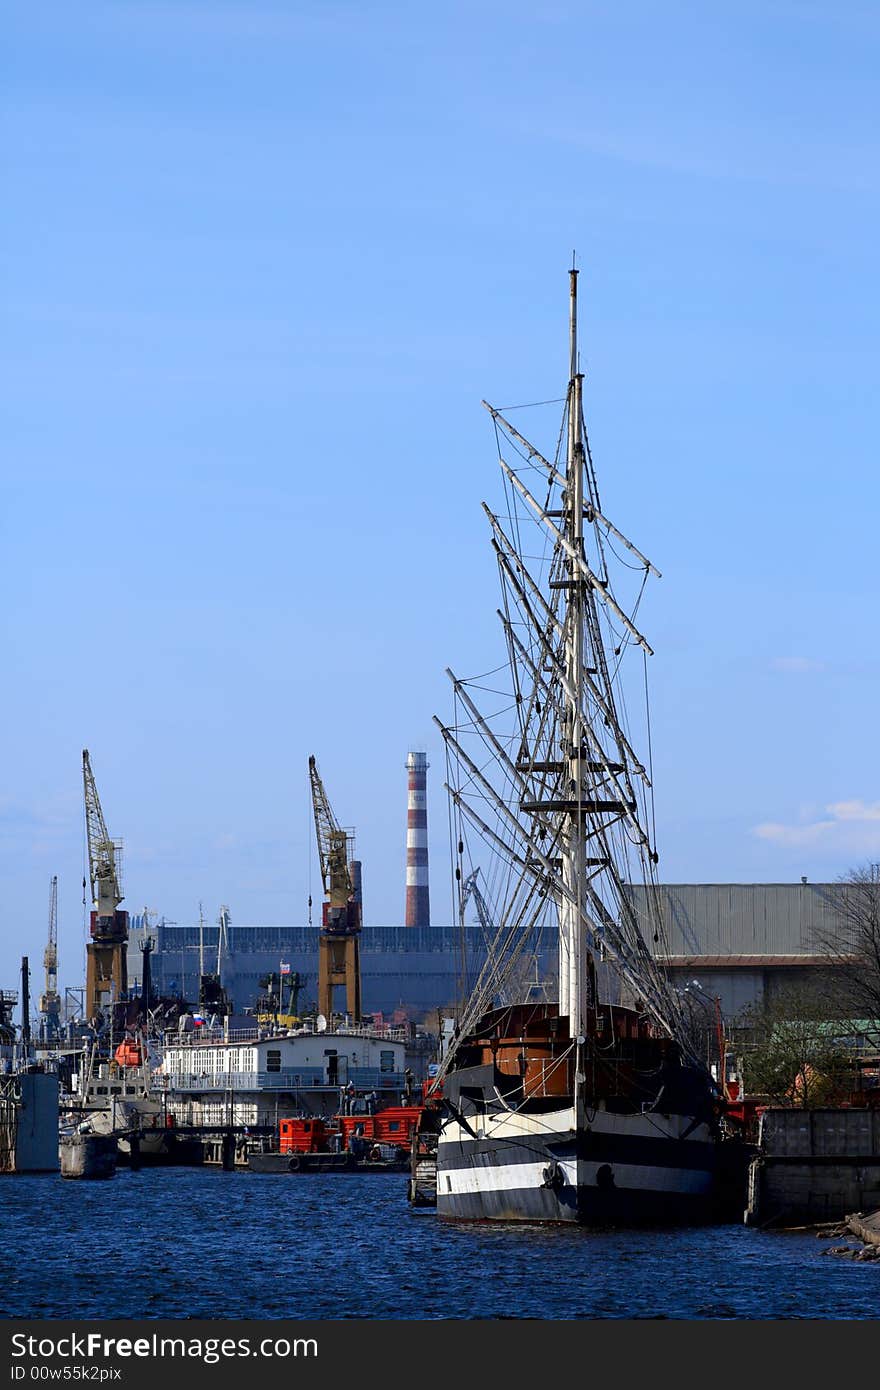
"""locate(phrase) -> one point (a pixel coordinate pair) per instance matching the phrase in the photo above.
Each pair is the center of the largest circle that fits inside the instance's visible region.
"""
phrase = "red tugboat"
(376, 1143)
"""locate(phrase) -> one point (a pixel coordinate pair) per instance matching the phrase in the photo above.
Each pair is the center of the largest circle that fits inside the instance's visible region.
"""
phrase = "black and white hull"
(611, 1169)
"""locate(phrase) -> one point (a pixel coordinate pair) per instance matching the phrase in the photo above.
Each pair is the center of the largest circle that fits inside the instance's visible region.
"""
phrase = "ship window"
(116, 1090)
(386, 1060)
(273, 1059)
(393, 1124)
(101, 1090)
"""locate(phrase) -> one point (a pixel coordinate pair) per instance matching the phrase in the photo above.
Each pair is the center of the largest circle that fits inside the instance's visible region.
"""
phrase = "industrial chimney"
(418, 912)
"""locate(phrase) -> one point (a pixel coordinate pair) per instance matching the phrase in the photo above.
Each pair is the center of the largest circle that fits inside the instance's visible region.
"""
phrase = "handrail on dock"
(204, 1036)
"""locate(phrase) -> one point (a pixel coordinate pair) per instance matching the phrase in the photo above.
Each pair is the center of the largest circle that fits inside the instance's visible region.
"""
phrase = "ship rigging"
(543, 776)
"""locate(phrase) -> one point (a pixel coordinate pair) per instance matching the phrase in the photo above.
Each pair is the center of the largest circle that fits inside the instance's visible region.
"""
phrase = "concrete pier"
(814, 1165)
(29, 1122)
(88, 1156)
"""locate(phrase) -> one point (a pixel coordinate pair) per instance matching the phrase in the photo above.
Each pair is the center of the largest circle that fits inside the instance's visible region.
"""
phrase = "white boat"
(116, 1093)
(252, 1077)
(594, 1108)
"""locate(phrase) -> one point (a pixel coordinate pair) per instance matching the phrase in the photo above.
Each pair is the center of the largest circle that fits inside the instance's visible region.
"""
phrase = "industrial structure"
(415, 970)
(418, 910)
(28, 1093)
(338, 950)
(470, 888)
(742, 943)
(106, 953)
(50, 1002)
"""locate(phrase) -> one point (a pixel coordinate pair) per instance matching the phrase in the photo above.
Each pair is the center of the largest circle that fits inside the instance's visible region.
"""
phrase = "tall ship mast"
(595, 1108)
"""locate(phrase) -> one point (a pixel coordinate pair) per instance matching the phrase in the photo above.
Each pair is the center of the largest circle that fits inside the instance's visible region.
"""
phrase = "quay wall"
(29, 1123)
(815, 1165)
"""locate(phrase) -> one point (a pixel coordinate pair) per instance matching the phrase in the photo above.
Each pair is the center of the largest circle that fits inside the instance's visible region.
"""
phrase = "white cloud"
(847, 827)
(792, 835)
(854, 810)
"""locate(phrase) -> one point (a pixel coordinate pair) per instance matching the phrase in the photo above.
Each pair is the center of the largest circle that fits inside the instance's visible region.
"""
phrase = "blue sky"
(261, 261)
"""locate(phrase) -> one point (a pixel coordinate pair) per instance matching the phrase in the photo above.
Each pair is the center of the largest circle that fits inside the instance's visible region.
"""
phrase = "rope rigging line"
(530, 405)
(509, 774)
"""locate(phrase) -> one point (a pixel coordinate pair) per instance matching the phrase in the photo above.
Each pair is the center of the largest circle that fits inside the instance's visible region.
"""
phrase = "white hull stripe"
(560, 1124)
(628, 1177)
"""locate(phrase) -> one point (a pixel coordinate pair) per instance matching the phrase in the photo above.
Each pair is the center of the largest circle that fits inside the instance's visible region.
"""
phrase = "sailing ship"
(595, 1108)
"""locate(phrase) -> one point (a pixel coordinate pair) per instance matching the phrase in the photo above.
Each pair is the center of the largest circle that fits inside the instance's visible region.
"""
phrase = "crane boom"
(103, 872)
(332, 843)
(50, 955)
(106, 953)
(517, 987)
(50, 1004)
(338, 953)
(471, 889)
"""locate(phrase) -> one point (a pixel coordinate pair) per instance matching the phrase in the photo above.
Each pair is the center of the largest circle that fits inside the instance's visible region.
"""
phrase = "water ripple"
(191, 1243)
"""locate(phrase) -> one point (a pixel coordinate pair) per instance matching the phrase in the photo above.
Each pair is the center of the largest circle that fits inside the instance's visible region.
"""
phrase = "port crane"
(471, 889)
(518, 987)
(338, 948)
(106, 963)
(50, 1003)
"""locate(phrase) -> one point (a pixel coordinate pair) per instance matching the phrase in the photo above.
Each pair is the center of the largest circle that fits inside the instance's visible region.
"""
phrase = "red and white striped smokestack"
(418, 912)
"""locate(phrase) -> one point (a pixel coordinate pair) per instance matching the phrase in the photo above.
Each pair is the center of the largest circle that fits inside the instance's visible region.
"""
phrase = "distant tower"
(355, 869)
(418, 912)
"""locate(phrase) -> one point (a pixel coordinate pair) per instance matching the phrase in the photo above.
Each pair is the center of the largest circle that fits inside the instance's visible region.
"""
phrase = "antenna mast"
(222, 937)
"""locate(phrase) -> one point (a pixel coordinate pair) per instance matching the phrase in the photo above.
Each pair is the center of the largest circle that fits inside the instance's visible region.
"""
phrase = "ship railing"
(201, 1037)
(361, 1079)
(371, 1030)
(372, 1079)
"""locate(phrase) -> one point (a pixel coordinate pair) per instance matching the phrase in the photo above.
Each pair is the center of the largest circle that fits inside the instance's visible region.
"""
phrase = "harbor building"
(746, 942)
(216, 1076)
(741, 942)
(418, 970)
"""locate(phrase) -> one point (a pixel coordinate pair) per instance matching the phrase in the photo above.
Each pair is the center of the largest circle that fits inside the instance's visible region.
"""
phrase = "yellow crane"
(106, 963)
(338, 949)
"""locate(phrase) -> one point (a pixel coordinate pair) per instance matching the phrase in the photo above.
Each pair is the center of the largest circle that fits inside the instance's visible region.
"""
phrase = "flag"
(285, 969)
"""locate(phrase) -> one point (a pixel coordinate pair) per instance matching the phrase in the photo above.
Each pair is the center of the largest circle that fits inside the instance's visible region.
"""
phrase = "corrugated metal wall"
(744, 919)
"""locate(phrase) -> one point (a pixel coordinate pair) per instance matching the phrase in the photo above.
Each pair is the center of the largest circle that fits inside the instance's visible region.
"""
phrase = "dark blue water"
(202, 1243)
